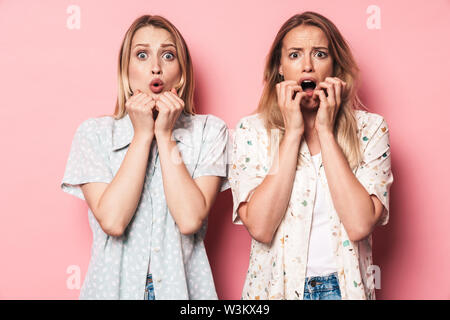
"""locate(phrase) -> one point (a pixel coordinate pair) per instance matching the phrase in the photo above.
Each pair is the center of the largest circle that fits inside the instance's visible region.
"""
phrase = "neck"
(309, 117)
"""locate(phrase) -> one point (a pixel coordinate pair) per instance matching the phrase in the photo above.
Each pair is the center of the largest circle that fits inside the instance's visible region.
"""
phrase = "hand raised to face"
(169, 106)
(140, 108)
(330, 93)
(290, 95)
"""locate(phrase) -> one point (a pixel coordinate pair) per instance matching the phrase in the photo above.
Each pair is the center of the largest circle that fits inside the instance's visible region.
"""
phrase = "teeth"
(308, 84)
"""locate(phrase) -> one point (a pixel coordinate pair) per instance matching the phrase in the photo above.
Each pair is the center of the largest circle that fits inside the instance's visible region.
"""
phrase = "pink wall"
(53, 78)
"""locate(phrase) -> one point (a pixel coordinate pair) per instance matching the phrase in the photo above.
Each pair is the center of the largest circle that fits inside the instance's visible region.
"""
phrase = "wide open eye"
(168, 56)
(321, 54)
(142, 55)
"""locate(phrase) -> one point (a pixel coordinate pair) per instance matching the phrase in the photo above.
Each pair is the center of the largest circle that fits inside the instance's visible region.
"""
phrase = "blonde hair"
(344, 67)
(185, 87)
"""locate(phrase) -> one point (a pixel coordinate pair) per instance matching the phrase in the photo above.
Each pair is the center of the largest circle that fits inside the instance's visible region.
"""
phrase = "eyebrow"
(164, 45)
(299, 49)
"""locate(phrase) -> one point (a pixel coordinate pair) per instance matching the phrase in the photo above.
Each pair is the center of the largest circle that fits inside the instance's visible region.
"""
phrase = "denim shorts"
(149, 290)
(322, 288)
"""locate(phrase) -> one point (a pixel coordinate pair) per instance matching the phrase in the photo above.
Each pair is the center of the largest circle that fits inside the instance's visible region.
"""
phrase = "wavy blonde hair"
(344, 67)
(185, 87)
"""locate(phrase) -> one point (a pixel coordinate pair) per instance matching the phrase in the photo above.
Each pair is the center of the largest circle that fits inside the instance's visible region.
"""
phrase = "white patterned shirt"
(278, 270)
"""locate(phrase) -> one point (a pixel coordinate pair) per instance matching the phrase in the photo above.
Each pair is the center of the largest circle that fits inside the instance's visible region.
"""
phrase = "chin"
(311, 105)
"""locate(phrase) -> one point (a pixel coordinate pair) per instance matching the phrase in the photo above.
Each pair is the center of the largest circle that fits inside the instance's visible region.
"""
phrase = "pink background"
(53, 78)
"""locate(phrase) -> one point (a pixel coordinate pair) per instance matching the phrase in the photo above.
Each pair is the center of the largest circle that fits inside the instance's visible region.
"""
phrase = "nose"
(307, 64)
(156, 68)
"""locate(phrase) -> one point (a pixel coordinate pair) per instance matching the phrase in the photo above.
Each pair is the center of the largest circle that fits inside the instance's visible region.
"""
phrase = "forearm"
(120, 199)
(270, 200)
(350, 199)
(184, 198)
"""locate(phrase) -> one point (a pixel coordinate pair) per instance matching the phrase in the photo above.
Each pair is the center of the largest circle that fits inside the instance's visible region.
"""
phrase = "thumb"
(174, 91)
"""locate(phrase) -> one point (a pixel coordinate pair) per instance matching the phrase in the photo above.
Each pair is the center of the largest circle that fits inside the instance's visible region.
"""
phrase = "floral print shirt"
(118, 266)
(278, 270)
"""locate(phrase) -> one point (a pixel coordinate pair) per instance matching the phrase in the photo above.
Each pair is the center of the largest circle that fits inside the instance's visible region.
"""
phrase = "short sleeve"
(88, 160)
(375, 172)
(213, 157)
(248, 165)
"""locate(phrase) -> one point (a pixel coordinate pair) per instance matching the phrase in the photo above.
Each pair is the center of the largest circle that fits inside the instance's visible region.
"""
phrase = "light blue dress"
(119, 265)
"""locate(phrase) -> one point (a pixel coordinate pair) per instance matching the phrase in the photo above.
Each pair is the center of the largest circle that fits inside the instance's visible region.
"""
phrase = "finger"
(174, 91)
(343, 88)
(140, 98)
(135, 95)
(278, 88)
(174, 99)
(291, 92)
(343, 83)
(154, 111)
(285, 98)
(332, 95)
(149, 105)
(281, 96)
(178, 99)
(337, 90)
(321, 94)
(288, 94)
(132, 101)
(330, 92)
(300, 96)
(162, 107)
(168, 102)
(142, 104)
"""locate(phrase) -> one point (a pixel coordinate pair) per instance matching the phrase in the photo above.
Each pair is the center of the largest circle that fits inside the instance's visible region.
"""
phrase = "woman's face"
(154, 65)
(305, 58)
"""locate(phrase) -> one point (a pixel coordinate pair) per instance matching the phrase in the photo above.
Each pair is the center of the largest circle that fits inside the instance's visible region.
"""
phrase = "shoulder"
(214, 122)
(369, 123)
(96, 131)
(254, 122)
(199, 128)
(251, 131)
(206, 120)
(97, 125)
(204, 123)
(365, 118)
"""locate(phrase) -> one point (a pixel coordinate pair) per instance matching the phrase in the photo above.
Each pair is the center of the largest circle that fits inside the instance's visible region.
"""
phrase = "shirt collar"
(123, 131)
(304, 150)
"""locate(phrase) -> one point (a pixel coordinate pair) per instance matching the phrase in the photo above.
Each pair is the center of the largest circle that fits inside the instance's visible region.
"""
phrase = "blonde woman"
(149, 174)
(311, 171)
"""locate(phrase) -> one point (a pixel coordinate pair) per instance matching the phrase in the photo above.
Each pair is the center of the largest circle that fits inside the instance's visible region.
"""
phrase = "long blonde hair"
(185, 87)
(344, 67)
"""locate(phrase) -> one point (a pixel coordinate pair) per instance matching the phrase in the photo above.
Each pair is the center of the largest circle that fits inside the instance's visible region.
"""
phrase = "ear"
(280, 70)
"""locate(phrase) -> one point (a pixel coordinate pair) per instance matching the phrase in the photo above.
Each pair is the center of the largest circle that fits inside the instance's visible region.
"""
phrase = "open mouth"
(156, 86)
(308, 85)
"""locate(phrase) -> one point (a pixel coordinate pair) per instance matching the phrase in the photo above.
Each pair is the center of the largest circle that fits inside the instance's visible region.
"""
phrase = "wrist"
(325, 134)
(295, 135)
(146, 137)
(163, 136)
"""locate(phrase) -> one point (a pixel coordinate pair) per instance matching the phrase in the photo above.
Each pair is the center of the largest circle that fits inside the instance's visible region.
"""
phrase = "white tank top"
(321, 260)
